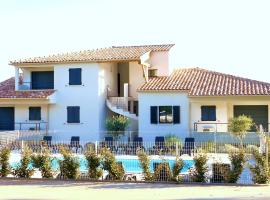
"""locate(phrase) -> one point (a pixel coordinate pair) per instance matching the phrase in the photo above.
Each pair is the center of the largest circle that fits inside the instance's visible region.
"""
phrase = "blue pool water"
(130, 165)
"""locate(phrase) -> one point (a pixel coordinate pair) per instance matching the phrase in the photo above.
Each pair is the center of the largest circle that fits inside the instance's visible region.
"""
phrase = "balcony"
(35, 85)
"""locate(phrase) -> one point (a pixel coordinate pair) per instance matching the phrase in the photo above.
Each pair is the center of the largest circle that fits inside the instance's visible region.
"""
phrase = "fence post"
(22, 145)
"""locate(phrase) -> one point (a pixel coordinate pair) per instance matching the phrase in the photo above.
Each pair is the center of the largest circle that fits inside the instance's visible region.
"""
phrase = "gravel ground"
(49, 190)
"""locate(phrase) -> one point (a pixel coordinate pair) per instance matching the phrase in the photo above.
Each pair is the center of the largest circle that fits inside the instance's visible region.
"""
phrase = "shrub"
(177, 168)
(23, 170)
(173, 142)
(239, 126)
(43, 162)
(220, 172)
(199, 175)
(69, 166)
(93, 163)
(237, 158)
(209, 146)
(4, 162)
(163, 172)
(260, 170)
(109, 163)
(116, 125)
(145, 165)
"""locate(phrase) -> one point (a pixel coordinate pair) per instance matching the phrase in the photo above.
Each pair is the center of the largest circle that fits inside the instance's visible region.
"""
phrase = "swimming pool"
(131, 164)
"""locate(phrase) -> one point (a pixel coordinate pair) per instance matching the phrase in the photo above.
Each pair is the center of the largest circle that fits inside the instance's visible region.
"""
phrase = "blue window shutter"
(73, 114)
(176, 114)
(75, 76)
(204, 113)
(153, 115)
(212, 113)
(34, 113)
(208, 113)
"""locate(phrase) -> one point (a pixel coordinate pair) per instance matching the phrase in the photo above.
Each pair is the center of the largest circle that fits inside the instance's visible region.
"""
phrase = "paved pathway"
(50, 190)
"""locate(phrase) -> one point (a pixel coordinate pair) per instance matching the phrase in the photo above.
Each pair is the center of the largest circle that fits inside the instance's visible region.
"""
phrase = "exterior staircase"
(120, 106)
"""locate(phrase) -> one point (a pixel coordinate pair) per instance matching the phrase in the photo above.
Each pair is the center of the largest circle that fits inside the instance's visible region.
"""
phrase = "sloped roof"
(202, 82)
(114, 53)
(7, 90)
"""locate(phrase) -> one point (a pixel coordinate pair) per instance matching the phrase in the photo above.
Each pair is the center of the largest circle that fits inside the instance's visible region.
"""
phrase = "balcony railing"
(26, 126)
(222, 127)
(35, 86)
(125, 103)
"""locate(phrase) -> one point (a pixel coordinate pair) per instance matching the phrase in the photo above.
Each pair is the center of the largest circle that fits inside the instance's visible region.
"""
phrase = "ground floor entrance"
(6, 118)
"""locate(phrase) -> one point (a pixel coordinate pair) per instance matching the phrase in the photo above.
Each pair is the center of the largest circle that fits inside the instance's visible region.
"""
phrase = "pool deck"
(51, 190)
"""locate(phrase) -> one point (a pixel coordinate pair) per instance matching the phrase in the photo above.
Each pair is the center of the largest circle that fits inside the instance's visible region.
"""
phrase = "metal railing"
(220, 127)
(162, 158)
(35, 86)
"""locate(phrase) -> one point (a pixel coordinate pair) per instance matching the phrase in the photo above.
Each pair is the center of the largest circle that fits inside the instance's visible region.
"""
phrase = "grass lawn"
(45, 190)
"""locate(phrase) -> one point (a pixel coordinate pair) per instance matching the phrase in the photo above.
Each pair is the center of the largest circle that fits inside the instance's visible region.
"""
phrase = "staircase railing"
(120, 102)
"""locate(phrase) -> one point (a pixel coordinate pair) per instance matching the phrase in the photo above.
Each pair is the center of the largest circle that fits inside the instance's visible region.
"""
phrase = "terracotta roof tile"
(114, 53)
(201, 82)
(7, 90)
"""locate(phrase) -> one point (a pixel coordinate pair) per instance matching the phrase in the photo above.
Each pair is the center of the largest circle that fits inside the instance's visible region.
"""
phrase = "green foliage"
(145, 165)
(177, 168)
(208, 147)
(116, 125)
(23, 170)
(237, 158)
(163, 172)
(220, 172)
(69, 166)
(109, 163)
(199, 175)
(43, 162)
(4, 162)
(260, 170)
(239, 126)
(173, 142)
(93, 162)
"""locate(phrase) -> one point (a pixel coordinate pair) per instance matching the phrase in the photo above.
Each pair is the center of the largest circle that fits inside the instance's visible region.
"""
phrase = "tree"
(116, 125)
(239, 126)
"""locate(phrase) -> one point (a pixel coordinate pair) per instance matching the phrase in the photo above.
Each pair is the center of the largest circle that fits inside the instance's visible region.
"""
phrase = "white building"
(72, 95)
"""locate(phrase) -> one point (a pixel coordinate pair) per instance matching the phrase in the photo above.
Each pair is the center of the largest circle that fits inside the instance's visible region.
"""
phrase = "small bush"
(43, 162)
(145, 165)
(4, 162)
(116, 125)
(173, 142)
(93, 162)
(260, 170)
(199, 175)
(237, 158)
(220, 172)
(23, 170)
(163, 172)
(177, 168)
(69, 166)
(109, 163)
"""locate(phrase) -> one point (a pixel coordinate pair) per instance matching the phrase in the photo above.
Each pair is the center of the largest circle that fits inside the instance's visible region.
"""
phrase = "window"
(165, 114)
(152, 72)
(75, 76)
(34, 113)
(208, 113)
(73, 114)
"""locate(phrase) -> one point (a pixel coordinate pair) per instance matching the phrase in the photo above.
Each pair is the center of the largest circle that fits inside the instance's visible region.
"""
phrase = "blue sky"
(231, 36)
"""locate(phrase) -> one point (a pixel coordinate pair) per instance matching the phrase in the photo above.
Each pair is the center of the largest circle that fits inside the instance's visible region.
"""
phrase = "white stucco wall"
(136, 78)
(160, 60)
(149, 131)
(224, 109)
(86, 96)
